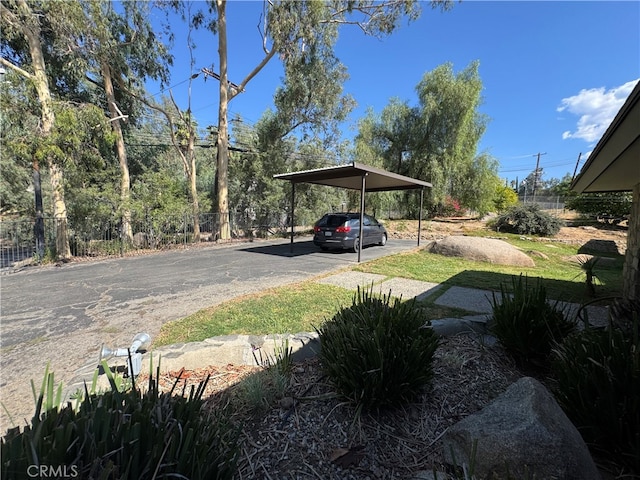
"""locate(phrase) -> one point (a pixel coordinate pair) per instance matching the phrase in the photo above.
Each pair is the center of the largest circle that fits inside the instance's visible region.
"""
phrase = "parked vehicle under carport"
(342, 231)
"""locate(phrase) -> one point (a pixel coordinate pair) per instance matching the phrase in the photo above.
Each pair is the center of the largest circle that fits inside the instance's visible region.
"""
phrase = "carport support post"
(293, 202)
(420, 215)
(362, 190)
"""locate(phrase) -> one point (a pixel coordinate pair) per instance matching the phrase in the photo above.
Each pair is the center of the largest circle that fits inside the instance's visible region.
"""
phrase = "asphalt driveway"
(61, 315)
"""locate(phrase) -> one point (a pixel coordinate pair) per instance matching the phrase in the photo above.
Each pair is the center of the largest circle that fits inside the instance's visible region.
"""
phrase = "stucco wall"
(631, 271)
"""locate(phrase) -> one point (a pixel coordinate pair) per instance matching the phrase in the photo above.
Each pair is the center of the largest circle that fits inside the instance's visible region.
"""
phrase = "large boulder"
(596, 246)
(522, 434)
(482, 249)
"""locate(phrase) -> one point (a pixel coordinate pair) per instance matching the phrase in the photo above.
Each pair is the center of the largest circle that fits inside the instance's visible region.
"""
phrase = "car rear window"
(332, 221)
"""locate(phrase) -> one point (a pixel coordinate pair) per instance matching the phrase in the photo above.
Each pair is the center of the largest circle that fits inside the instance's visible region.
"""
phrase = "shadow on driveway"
(297, 249)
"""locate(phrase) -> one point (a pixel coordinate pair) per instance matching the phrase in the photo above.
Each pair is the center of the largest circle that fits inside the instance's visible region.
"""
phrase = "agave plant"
(588, 268)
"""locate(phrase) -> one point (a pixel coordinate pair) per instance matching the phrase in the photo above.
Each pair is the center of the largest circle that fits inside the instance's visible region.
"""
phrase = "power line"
(528, 168)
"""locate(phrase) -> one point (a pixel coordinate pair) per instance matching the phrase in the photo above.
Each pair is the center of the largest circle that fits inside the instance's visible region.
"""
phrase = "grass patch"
(288, 309)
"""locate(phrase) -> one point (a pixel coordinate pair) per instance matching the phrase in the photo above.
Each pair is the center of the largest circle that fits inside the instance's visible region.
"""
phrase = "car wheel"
(383, 240)
(356, 245)
(324, 249)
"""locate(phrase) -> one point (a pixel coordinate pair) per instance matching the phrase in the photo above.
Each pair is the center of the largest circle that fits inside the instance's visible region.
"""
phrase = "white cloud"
(596, 107)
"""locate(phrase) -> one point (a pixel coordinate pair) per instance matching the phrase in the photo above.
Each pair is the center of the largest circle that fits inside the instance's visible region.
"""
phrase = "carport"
(354, 176)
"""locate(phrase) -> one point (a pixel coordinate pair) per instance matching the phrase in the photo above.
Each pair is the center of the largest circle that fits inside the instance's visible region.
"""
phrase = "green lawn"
(563, 280)
(289, 309)
(304, 306)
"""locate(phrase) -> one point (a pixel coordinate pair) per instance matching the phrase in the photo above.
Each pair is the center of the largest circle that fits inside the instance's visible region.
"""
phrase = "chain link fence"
(550, 203)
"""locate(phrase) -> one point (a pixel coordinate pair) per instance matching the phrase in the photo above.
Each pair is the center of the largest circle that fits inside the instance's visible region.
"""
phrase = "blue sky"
(554, 73)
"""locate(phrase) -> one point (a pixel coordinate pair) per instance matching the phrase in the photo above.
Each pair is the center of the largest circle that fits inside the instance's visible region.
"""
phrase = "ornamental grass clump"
(597, 374)
(378, 352)
(527, 324)
(259, 391)
(124, 434)
(528, 220)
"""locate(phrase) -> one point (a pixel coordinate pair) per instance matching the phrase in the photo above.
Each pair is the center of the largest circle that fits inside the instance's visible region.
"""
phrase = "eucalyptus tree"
(87, 143)
(302, 34)
(183, 129)
(34, 40)
(259, 151)
(121, 51)
(19, 126)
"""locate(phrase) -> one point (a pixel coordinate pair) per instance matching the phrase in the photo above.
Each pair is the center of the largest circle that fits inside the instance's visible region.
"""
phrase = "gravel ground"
(311, 433)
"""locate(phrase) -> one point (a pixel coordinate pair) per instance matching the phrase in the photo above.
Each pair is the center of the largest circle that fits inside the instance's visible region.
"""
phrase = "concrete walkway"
(252, 349)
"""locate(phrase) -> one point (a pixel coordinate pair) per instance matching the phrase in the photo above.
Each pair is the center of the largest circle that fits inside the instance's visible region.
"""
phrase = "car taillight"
(343, 229)
(316, 229)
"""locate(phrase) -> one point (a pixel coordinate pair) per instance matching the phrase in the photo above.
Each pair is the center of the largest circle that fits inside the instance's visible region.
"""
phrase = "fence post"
(121, 231)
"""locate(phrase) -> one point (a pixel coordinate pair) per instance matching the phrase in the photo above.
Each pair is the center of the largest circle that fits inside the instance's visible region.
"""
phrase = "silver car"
(342, 230)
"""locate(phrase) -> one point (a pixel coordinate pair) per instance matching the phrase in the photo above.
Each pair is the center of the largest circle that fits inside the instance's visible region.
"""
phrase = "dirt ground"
(577, 231)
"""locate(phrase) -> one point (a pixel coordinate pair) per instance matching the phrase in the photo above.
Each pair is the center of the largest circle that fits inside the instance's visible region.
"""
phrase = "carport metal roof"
(350, 176)
(355, 176)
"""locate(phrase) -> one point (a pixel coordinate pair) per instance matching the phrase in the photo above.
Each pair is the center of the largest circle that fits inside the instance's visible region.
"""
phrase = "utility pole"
(575, 170)
(535, 176)
(210, 73)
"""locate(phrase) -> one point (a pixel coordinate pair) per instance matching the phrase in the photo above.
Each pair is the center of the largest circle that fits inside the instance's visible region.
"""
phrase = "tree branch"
(158, 108)
(16, 68)
(174, 140)
(253, 73)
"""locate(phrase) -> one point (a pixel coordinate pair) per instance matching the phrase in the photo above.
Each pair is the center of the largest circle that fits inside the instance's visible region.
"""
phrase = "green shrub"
(528, 220)
(526, 324)
(377, 352)
(617, 204)
(598, 386)
(504, 198)
(125, 435)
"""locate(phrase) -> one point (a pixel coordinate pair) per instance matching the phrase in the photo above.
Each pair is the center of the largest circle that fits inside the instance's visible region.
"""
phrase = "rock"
(482, 249)
(525, 431)
(446, 327)
(601, 246)
(27, 262)
(535, 253)
(140, 240)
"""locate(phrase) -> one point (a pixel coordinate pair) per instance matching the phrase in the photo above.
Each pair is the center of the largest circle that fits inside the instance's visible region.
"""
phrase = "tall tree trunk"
(193, 190)
(223, 136)
(41, 83)
(125, 180)
(38, 228)
(59, 212)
